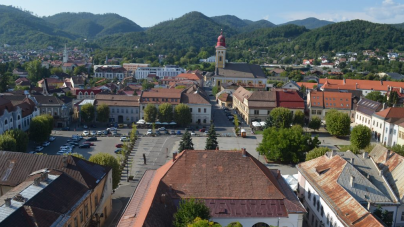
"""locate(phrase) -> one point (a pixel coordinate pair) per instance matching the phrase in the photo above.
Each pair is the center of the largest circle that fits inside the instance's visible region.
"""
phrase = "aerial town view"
(202, 114)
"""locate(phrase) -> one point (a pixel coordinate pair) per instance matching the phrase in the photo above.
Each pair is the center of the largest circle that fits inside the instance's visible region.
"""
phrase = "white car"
(112, 129)
(85, 133)
(205, 133)
(46, 143)
(38, 148)
(93, 133)
(193, 134)
(52, 138)
(65, 147)
(99, 133)
(61, 152)
(124, 139)
(149, 132)
(162, 129)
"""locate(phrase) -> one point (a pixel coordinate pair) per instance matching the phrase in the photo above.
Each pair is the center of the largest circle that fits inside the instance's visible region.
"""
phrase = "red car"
(119, 145)
(89, 143)
(202, 129)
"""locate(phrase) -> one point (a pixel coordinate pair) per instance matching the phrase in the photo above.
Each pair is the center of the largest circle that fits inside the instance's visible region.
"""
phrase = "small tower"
(65, 55)
(221, 51)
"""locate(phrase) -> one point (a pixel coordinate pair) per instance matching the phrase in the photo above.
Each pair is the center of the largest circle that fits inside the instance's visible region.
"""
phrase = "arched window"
(314, 201)
(86, 94)
(260, 224)
(220, 58)
(11, 120)
(92, 94)
(328, 219)
(5, 122)
(18, 117)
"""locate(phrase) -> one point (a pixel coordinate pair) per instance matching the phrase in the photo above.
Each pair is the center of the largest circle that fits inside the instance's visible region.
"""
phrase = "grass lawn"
(258, 132)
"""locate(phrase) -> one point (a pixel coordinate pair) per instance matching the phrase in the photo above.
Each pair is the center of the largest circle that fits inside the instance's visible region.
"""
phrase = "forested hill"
(242, 25)
(351, 36)
(18, 27)
(90, 25)
(309, 23)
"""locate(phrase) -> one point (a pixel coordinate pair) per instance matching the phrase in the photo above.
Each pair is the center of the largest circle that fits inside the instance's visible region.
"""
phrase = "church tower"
(65, 55)
(221, 51)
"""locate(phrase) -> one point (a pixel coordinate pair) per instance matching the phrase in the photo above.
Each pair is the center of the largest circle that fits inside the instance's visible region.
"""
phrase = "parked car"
(38, 148)
(61, 152)
(89, 143)
(74, 143)
(158, 133)
(85, 133)
(85, 126)
(193, 134)
(85, 145)
(172, 132)
(92, 139)
(202, 129)
(162, 129)
(105, 132)
(149, 132)
(178, 132)
(205, 133)
(52, 138)
(112, 129)
(93, 133)
(114, 133)
(124, 139)
(118, 150)
(119, 145)
(99, 133)
(46, 143)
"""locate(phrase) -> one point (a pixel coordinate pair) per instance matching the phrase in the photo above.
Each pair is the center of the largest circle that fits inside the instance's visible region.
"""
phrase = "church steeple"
(65, 55)
(221, 51)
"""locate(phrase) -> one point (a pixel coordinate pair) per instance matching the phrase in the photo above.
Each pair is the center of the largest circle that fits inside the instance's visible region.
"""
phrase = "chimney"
(174, 156)
(8, 202)
(344, 81)
(365, 155)
(244, 152)
(356, 86)
(37, 181)
(352, 181)
(44, 176)
(368, 205)
(352, 161)
(381, 82)
(64, 161)
(401, 90)
(387, 155)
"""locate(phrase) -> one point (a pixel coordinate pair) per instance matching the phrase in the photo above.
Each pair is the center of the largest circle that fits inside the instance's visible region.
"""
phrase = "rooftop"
(241, 70)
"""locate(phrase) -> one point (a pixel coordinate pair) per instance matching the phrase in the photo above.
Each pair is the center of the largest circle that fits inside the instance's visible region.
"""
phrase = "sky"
(148, 13)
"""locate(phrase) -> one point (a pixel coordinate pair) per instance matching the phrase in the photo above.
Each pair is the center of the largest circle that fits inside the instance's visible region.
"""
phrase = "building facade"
(110, 72)
(123, 109)
(168, 70)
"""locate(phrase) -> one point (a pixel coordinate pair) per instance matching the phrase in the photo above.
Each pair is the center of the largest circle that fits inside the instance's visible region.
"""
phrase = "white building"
(123, 109)
(109, 72)
(364, 111)
(383, 124)
(168, 70)
(199, 105)
(17, 112)
(343, 189)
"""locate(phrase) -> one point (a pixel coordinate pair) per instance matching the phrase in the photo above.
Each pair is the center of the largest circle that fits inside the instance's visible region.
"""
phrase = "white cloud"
(266, 17)
(388, 12)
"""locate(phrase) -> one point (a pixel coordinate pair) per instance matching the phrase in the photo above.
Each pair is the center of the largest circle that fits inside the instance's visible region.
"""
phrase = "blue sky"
(148, 13)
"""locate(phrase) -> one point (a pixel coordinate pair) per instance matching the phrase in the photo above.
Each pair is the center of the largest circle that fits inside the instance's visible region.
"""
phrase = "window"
(342, 105)
(322, 211)
(204, 121)
(313, 112)
(318, 205)
(199, 110)
(402, 216)
(318, 112)
(326, 98)
(76, 223)
(126, 110)
(131, 110)
(328, 219)
(96, 201)
(81, 216)
(309, 195)
(256, 112)
(268, 112)
(314, 201)
(204, 110)
(190, 110)
(117, 110)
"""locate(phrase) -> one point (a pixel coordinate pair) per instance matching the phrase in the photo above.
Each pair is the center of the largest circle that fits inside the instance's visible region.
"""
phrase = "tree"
(4, 80)
(39, 130)
(361, 136)
(77, 155)
(87, 112)
(165, 112)
(35, 71)
(317, 152)
(299, 118)
(376, 96)
(235, 224)
(56, 70)
(49, 121)
(150, 113)
(315, 123)
(211, 141)
(188, 210)
(182, 114)
(7, 143)
(106, 159)
(186, 142)
(215, 90)
(21, 139)
(393, 98)
(198, 222)
(338, 123)
(286, 144)
(133, 133)
(103, 113)
(383, 215)
(399, 149)
(280, 118)
(236, 124)
(146, 85)
(79, 70)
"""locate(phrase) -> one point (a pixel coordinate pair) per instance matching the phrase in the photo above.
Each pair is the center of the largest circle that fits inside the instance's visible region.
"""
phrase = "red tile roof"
(307, 85)
(289, 99)
(189, 76)
(392, 112)
(351, 84)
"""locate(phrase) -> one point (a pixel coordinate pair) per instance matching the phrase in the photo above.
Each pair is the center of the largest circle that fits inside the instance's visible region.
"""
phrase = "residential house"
(400, 93)
(289, 99)
(400, 134)
(391, 167)
(225, 100)
(110, 72)
(61, 108)
(132, 67)
(74, 82)
(53, 190)
(53, 83)
(320, 102)
(23, 82)
(253, 106)
(276, 72)
(24, 110)
(309, 86)
(123, 109)
(383, 124)
(211, 176)
(20, 73)
(85, 93)
(365, 110)
(158, 97)
(366, 86)
(197, 77)
(198, 102)
(292, 85)
(343, 189)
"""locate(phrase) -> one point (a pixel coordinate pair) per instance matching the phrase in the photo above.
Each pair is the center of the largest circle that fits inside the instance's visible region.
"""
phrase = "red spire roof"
(221, 40)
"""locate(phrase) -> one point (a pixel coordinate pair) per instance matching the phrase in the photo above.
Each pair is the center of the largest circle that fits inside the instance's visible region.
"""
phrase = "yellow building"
(52, 82)
(400, 136)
